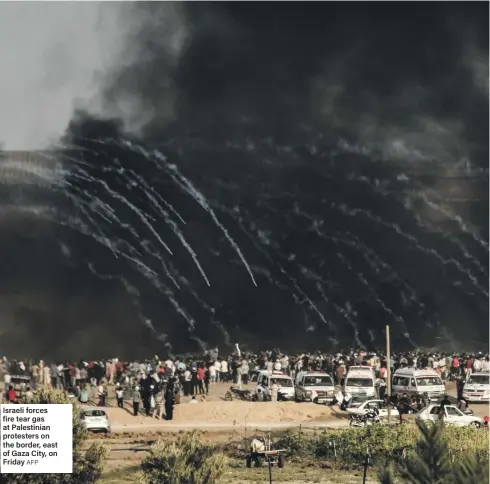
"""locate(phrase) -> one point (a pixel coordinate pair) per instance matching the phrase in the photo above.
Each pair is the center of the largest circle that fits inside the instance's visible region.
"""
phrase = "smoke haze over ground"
(295, 175)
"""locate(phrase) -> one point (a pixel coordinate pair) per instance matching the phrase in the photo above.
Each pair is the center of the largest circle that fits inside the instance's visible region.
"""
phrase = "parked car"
(368, 405)
(266, 379)
(315, 386)
(95, 420)
(477, 387)
(452, 415)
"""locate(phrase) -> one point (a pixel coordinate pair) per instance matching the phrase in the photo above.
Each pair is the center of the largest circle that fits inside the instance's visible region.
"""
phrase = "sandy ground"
(217, 414)
(228, 415)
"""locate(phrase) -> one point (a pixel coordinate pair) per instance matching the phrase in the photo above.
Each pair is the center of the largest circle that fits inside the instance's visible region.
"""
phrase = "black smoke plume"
(342, 147)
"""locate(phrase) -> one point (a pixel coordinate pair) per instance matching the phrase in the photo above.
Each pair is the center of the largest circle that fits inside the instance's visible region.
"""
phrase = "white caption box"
(36, 439)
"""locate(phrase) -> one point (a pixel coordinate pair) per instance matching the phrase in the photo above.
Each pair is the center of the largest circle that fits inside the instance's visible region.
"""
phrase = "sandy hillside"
(230, 413)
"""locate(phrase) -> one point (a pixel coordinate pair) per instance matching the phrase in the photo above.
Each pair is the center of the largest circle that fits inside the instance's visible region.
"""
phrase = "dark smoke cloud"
(292, 119)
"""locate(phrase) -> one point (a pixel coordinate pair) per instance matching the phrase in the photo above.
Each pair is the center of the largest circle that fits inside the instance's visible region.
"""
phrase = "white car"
(477, 388)
(95, 420)
(265, 380)
(316, 387)
(364, 407)
(452, 415)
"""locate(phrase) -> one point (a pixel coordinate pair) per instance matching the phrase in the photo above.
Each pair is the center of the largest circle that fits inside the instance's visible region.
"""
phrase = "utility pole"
(388, 372)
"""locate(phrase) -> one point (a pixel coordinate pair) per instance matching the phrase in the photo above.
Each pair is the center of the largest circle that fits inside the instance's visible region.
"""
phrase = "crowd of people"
(155, 385)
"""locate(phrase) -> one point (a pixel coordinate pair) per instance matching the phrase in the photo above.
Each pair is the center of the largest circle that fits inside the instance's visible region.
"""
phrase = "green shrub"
(384, 444)
(434, 463)
(87, 464)
(188, 461)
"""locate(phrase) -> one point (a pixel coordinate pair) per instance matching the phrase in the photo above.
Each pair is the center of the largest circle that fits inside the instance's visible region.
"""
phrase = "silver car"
(95, 420)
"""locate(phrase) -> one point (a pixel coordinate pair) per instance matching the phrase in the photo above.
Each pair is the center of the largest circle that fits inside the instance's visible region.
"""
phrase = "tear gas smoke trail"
(314, 123)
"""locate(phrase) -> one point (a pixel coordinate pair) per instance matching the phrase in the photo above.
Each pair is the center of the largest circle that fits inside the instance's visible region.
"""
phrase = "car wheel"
(249, 462)
(477, 425)
(281, 460)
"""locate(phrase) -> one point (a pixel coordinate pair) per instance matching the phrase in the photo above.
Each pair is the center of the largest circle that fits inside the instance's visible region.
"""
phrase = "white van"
(417, 382)
(266, 379)
(314, 386)
(360, 382)
(477, 387)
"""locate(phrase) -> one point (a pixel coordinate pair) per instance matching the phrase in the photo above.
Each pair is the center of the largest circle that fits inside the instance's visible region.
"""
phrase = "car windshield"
(425, 381)
(94, 413)
(479, 379)
(359, 382)
(323, 380)
(282, 382)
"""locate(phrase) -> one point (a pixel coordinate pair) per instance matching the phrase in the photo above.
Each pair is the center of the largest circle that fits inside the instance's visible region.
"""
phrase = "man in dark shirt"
(444, 402)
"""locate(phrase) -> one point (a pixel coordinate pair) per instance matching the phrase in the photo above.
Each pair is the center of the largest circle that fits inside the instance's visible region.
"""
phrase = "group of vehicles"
(366, 407)
(372, 412)
(361, 383)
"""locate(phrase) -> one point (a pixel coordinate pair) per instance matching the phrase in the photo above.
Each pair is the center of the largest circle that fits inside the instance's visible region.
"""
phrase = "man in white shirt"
(217, 366)
(212, 375)
(285, 364)
(224, 371)
(477, 365)
(277, 366)
(485, 364)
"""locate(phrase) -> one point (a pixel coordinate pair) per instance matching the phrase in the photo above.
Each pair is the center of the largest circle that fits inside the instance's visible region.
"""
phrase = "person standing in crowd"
(47, 376)
(194, 381)
(245, 371)
(83, 394)
(54, 376)
(459, 387)
(274, 392)
(169, 402)
(212, 374)
(35, 372)
(187, 383)
(200, 380)
(224, 376)
(102, 395)
(11, 398)
(136, 400)
(217, 366)
(207, 378)
(158, 410)
(120, 396)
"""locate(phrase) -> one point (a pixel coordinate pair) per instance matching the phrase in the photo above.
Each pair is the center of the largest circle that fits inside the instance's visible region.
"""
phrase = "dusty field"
(228, 414)
(217, 414)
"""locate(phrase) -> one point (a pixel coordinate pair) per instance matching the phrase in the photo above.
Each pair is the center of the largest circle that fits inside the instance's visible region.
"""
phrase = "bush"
(87, 464)
(188, 461)
(384, 444)
(433, 462)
